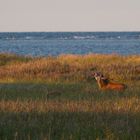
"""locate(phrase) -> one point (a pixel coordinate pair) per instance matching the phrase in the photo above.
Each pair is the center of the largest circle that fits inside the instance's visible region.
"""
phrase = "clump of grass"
(7, 59)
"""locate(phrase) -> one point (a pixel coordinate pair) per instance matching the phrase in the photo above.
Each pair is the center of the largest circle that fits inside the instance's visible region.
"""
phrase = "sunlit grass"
(54, 98)
(70, 68)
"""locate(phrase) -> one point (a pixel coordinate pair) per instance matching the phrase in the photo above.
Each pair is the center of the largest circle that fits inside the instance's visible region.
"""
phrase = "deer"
(105, 84)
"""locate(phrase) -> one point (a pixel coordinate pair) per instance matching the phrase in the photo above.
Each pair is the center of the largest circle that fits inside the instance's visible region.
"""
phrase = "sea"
(56, 43)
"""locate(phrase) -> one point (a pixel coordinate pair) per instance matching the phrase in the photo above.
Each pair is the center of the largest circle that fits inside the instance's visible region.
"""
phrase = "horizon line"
(60, 31)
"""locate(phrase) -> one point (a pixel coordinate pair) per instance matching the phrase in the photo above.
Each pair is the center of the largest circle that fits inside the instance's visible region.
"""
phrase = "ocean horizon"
(56, 43)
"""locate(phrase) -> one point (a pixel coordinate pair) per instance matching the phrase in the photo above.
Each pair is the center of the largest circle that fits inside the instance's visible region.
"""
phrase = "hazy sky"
(69, 15)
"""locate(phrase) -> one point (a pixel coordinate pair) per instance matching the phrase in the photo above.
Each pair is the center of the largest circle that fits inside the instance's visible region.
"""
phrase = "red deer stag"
(105, 84)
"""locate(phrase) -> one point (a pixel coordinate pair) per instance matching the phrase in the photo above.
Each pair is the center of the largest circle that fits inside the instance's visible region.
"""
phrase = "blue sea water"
(55, 43)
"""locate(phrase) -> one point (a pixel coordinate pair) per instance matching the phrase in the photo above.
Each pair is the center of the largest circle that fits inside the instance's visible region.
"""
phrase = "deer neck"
(102, 83)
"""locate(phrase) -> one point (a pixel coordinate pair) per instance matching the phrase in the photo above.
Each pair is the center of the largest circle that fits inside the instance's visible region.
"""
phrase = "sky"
(69, 15)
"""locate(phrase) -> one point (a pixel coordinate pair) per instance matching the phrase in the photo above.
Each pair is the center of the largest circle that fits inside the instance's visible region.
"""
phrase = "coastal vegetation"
(55, 97)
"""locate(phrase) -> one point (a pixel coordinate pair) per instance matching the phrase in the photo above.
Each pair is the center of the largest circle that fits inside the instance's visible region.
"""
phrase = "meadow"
(55, 98)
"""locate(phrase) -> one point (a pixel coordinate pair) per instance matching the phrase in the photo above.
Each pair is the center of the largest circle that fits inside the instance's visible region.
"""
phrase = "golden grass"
(34, 109)
(73, 68)
(124, 105)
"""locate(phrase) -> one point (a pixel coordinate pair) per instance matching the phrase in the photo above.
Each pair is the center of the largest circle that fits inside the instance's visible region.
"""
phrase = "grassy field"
(55, 98)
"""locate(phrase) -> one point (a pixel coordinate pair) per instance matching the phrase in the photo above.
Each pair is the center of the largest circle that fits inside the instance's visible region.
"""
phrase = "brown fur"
(105, 84)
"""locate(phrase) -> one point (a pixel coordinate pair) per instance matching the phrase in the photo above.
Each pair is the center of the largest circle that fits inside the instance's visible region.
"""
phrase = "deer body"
(105, 84)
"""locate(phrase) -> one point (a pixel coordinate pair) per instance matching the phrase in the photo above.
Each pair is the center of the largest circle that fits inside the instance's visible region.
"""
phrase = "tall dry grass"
(73, 68)
(33, 109)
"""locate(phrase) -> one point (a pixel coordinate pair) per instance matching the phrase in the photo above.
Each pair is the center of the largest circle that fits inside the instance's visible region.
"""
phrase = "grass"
(54, 98)
(70, 68)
